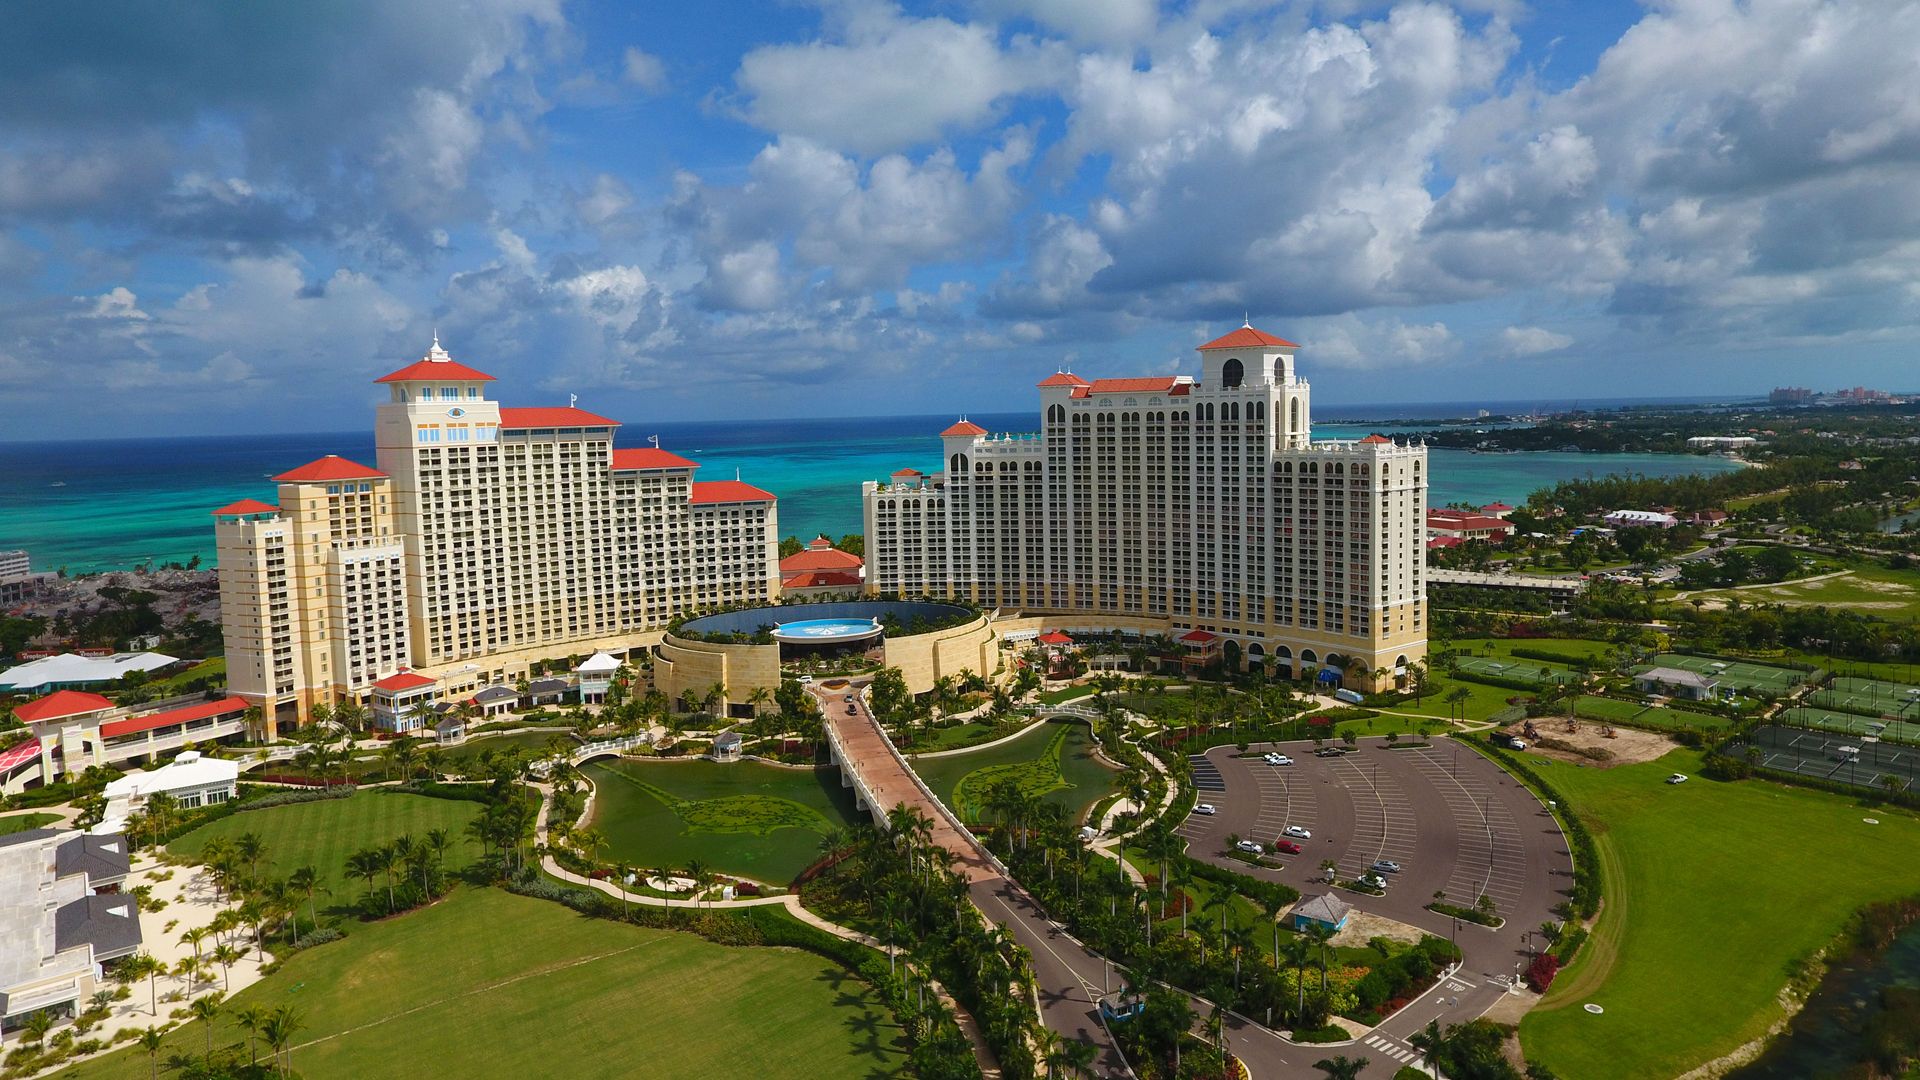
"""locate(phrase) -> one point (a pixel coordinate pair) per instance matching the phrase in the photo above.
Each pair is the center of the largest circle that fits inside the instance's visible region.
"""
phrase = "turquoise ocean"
(109, 504)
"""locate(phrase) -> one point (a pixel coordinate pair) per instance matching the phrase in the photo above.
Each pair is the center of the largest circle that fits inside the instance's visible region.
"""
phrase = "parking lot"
(1875, 765)
(1450, 818)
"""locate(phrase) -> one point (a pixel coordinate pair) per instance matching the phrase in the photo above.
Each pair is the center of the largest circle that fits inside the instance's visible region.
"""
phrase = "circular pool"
(823, 631)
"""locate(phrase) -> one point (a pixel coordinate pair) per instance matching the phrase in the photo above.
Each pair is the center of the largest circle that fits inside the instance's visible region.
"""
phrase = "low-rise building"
(70, 670)
(821, 571)
(494, 700)
(400, 701)
(1466, 525)
(1673, 682)
(61, 917)
(190, 780)
(595, 675)
(1641, 519)
(1722, 442)
(1325, 910)
(72, 729)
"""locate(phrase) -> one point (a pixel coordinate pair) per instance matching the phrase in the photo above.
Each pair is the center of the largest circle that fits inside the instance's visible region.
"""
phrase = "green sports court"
(1852, 724)
(1870, 697)
(1734, 674)
(1527, 671)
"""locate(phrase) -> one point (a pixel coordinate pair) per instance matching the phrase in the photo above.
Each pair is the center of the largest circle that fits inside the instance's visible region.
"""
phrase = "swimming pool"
(824, 630)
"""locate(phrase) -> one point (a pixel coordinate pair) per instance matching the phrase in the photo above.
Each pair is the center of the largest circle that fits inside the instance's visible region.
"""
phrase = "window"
(1232, 373)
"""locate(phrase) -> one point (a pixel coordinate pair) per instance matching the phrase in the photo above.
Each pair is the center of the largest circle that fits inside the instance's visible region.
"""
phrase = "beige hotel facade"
(1198, 508)
(484, 538)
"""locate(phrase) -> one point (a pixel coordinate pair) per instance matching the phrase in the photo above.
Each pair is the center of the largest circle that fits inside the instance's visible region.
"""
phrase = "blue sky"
(218, 218)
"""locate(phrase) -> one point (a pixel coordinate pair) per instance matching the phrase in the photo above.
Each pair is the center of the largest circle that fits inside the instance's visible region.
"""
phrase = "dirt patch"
(1629, 746)
(1362, 928)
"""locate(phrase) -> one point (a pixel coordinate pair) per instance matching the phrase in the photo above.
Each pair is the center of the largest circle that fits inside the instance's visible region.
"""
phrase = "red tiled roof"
(819, 579)
(1374, 440)
(1063, 378)
(1465, 522)
(59, 704)
(1196, 637)
(1246, 338)
(1446, 541)
(552, 416)
(331, 467)
(727, 491)
(964, 427)
(19, 755)
(1494, 507)
(908, 472)
(1055, 637)
(246, 506)
(436, 371)
(198, 711)
(404, 680)
(646, 457)
(828, 558)
(1158, 384)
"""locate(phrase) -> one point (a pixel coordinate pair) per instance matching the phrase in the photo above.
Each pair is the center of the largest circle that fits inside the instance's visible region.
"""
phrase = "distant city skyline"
(234, 221)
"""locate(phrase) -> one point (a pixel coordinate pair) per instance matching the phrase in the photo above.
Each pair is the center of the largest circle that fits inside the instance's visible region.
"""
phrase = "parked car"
(1286, 847)
(1205, 808)
(1373, 881)
(851, 711)
(1279, 759)
(1677, 778)
(806, 680)
(1297, 832)
(1088, 833)
(1328, 751)
(848, 699)
(1386, 866)
(1250, 847)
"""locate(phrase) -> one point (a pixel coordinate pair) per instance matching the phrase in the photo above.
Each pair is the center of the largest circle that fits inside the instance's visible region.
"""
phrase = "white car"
(1374, 881)
(1205, 808)
(1250, 847)
(1297, 832)
(1677, 778)
(1279, 759)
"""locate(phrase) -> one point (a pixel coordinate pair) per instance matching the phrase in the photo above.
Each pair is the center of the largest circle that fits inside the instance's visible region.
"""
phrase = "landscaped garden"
(324, 832)
(758, 821)
(1054, 761)
(490, 984)
(1725, 889)
(14, 823)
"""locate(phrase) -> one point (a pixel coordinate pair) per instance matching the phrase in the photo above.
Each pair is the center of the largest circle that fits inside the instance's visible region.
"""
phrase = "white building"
(191, 780)
(595, 677)
(56, 927)
(488, 538)
(1722, 442)
(72, 670)
(1641, 519)
(1173, 504)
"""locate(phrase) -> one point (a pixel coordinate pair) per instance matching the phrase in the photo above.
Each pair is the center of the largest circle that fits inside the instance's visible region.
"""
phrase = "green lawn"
(325, 832)
(1629, 712)
(1869, 589)
(205, 669)
(1065, 694)
(1053, 760)
(953, 738)
(14, 823)
(457, 757)
(746, 818)
(1502, 648)
(488, 984)
(1715, 893)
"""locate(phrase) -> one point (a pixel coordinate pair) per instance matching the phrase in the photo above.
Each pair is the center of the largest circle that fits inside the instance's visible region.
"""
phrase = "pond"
(1860, 998)
(1054, 760)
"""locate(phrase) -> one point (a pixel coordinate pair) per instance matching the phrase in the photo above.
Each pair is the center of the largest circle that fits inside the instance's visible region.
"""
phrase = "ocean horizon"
(103, 504)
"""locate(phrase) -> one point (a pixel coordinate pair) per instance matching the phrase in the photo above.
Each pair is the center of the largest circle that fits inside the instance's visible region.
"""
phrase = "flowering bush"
(1541, 972)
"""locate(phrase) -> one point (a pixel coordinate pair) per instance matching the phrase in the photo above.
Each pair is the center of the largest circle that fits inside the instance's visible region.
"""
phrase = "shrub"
(1540, 973)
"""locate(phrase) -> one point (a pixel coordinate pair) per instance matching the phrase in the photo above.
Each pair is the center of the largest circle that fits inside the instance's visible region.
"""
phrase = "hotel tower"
(484, 539)
(1196, 508)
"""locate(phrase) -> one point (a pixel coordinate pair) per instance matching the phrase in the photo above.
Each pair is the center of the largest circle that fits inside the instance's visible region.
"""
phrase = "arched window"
(1232, 373)
(1056, 414)
(957, 463)
(1307, 657)
(1259, 410)
(1294, 425)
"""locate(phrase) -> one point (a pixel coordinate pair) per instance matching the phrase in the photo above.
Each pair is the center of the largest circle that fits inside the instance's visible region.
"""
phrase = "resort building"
(821, 571)
(61, 917)
(1174, 504)
(1464, 525)
(190, 780)
(68, 670)
(70, 730)
(485, 538)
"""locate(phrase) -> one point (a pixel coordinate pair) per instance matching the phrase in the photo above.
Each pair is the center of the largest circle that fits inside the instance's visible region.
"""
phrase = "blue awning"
(1328, 674)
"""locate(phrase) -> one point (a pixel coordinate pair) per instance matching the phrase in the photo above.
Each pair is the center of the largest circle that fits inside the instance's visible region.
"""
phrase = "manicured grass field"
(488, 984)
(205, 669)
(1715, 893)
(14, 823)
(757, 821)
(953, 738)
(458, 757)
(1630, 712)
(1054, 760)
(1869, 589)
(325, 832)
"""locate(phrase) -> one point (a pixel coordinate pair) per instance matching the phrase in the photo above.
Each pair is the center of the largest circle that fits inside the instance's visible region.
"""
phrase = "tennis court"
(1878, 766)
(1853, 723)
(1735, 674)
(1869, 697)
(1527, 671)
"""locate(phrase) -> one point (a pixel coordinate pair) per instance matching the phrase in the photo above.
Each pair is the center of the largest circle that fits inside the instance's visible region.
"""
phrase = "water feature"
(1861, 997)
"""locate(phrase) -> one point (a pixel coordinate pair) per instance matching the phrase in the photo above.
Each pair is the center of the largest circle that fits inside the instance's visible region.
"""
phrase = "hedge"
(1584, 663)
(1500, 681)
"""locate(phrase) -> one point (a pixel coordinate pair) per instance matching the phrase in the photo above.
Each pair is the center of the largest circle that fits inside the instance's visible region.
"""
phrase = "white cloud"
(892, 83)
(1103, 22)
(1532, 340)
(118, 303)
(644, 70)
(1348, 341)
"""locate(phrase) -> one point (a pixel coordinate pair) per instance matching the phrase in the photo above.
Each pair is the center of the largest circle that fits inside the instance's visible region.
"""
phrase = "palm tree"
(37, 1026)
(1321, 934)
(306, 879)
(365, 864)
(227, 956)
(1431, 1043)
(204, 1009)
(1298, 953)
(194, 937)
(387, 858)
(151, 1041)
(278, 1031)
(439, 841)
(1342, 1067)
(251, 849)
(251, 1019)
(142, 965)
